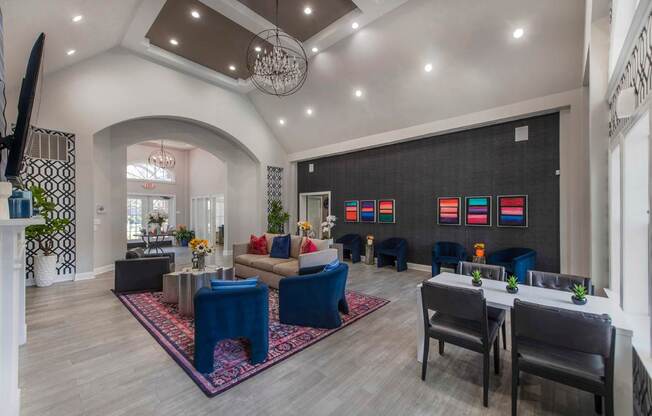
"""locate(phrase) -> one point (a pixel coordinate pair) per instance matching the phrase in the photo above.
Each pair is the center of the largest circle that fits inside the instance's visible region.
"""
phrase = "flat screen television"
(18, 143)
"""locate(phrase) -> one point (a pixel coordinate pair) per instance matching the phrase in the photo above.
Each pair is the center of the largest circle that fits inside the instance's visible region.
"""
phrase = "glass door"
(135, 217)
(315, 214)
(138, 208)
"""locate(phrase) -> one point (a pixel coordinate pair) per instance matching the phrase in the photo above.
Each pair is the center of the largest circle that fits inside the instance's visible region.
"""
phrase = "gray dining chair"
(569, 347)
(461, 318)
(558, 281)
(491, 272)
(488, 271)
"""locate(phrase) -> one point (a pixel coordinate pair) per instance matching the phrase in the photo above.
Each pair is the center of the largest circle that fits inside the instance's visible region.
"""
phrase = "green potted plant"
(476, 278)
(512, 284)
(45, 263)
(276, 218)
(183, 235)
(579, 295)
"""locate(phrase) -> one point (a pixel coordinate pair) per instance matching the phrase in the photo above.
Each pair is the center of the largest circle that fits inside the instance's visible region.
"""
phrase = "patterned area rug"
(176, 333)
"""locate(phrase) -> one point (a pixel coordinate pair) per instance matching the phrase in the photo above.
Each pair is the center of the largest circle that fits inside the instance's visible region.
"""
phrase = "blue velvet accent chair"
(446, 253)
(241, 312)
(352, 246)
(392, 250)
(516, 261)
(314, 300)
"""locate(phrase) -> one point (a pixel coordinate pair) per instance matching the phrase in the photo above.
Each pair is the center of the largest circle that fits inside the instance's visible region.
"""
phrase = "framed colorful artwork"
(512, 211)
(368, 211)
(351, 211)
(386, 211)
(478, 211)
(449, 211)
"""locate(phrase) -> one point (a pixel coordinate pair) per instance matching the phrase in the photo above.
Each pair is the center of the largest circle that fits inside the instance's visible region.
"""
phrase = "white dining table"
(498, 297)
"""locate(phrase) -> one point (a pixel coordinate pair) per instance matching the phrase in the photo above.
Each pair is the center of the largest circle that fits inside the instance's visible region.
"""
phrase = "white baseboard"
(69, 277)
(104, 269)
(420, 267)
(84, 276)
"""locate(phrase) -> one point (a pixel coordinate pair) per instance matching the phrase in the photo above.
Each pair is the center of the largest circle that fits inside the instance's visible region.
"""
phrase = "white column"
(12, 308)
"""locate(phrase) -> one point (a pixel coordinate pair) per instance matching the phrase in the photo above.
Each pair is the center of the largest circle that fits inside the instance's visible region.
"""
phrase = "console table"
(12, 308)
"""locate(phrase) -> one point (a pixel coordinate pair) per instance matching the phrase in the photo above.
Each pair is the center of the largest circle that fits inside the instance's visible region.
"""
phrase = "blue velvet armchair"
(314, 300)
(231, 313)
(392, 250)
(516, 261)
(352, 245)
(446, 252)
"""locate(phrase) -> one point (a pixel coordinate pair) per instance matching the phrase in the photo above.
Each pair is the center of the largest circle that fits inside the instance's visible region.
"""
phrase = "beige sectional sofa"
(271, 270)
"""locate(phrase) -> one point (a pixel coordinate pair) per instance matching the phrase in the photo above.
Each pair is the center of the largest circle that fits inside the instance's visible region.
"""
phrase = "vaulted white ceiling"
(477, 64)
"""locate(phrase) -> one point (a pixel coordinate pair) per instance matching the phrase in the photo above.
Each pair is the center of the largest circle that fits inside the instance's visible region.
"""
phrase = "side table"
(369, 254)
(480, 260)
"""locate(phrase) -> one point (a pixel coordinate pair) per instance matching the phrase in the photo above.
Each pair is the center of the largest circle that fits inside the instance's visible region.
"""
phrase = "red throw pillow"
(308, 246)
(257, 245)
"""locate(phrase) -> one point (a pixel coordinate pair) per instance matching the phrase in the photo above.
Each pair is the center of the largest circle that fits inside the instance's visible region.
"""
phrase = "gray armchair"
(141, 272)
(569, 347)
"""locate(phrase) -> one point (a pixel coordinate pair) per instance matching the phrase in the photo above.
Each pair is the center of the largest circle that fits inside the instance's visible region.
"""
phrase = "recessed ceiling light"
(195, 14)
(78, 18)
(427, 68)
(518, 33)
(232, 67)
(315, 49)
(174, 41)
(307, 10)
(71, 52)
(309, 111)
(281, 121)
(258, 49)
(358, 93)
(355, 25)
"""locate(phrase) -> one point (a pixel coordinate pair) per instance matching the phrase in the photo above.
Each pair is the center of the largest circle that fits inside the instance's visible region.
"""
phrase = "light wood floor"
(87, 355)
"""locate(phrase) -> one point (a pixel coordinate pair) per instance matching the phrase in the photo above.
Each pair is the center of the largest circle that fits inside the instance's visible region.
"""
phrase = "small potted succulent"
(512, 284)
(476, 278)
(579, 295)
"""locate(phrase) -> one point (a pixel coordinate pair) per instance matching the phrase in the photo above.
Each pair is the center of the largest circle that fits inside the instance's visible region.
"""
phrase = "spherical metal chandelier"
(161, 158)
(277, 62)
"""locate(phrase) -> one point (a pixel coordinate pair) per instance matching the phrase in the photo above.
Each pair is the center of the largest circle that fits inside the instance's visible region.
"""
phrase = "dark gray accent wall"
(482, 161)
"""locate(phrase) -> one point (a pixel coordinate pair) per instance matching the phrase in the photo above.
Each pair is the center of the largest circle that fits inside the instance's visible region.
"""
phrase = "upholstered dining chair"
(570, 347)
(460, 318)
(491, 272)
(564, 282)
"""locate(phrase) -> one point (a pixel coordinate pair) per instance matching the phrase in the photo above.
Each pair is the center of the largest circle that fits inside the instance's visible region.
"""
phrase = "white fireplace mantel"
(12, 307)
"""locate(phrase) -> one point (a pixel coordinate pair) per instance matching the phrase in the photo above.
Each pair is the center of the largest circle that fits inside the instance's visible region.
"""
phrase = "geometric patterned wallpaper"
(57, 177)
(274, 185)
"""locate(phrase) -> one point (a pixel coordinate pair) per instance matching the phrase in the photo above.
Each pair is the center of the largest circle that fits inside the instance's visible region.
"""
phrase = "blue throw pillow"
(332, 265)
(227, 283)
(281, 247)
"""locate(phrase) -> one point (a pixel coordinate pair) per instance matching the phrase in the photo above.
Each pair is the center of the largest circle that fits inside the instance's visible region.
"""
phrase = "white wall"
(622, 13)
(116, 86)
(241, 186)
(180, 187)
(206, 173)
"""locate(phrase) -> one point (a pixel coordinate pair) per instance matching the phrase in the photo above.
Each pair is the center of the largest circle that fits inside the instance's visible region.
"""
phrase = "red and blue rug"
(176, 334)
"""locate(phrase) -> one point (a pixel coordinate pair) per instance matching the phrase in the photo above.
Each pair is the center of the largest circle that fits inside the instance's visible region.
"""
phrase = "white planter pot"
(45, 270)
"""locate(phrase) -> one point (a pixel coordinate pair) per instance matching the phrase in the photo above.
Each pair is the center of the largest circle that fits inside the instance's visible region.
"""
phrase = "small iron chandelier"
(277, 62)
(161, 158)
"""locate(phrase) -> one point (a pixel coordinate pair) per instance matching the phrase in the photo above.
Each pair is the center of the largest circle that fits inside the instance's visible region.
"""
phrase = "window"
(142, 171)
(138, 208)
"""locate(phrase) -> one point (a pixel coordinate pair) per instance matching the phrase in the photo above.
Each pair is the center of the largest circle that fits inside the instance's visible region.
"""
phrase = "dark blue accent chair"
(446, 252)
(392, 250)
(352, 245)
(231, 313)
(516, 261)
(314, 300)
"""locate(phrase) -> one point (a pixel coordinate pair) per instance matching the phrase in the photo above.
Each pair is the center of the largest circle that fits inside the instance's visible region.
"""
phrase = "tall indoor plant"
(277, 218)
(45, 263)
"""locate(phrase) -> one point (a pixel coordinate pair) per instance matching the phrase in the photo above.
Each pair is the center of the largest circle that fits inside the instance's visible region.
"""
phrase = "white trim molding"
(84, 276)
(103, 269)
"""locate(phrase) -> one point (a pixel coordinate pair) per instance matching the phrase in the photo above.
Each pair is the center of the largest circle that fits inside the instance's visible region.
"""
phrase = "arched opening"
(214, 184)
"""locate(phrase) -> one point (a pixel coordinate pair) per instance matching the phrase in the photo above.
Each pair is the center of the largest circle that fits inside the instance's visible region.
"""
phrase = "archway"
(242, 201)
